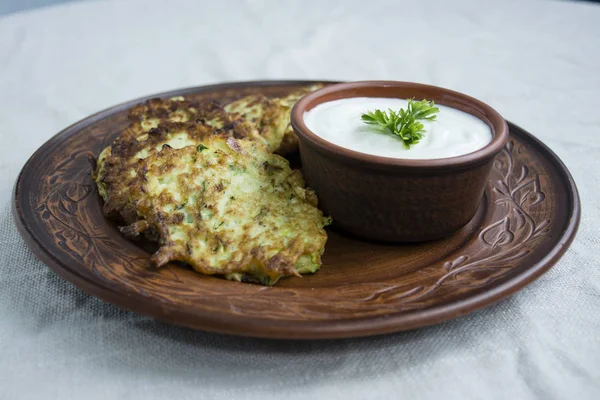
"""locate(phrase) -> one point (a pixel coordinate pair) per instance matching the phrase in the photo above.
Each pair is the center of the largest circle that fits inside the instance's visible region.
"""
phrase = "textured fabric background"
(538, 63)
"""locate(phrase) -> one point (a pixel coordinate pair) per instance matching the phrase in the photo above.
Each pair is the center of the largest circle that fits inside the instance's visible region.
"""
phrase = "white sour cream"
(453, 133)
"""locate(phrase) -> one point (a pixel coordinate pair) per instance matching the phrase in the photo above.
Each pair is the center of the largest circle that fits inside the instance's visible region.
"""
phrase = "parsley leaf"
(404, 123)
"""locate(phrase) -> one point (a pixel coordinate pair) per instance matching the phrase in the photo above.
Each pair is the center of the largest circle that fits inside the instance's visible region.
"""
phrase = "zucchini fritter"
(264, 119)
(229, 207)
(204, 183)
(154, 124)
(272, 118)
(225, 206)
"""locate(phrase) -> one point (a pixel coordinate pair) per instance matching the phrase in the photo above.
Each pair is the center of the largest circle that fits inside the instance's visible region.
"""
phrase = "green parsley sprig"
(404, 123)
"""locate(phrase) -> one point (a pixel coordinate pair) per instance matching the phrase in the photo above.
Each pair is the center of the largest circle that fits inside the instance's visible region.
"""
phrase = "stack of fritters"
(202, 180)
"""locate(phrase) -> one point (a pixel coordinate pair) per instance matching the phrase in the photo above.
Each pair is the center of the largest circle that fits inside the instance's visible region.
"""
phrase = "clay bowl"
(391, 199)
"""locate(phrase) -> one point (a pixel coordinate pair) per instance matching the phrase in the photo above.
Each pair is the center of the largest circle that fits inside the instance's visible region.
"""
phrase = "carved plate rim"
(289, 329)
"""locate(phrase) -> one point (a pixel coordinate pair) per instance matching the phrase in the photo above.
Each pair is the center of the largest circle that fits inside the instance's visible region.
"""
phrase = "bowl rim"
(494, 119)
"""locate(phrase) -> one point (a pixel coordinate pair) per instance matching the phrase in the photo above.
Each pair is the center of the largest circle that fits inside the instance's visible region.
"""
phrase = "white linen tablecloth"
(538, 63)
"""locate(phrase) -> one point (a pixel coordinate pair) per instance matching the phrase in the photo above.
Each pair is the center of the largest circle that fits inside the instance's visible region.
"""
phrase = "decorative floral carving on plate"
(506, 240)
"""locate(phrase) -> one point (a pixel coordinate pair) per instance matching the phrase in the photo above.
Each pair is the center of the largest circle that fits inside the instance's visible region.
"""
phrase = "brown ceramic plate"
(527, 219)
